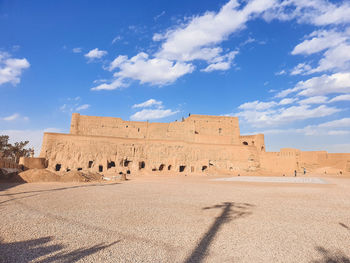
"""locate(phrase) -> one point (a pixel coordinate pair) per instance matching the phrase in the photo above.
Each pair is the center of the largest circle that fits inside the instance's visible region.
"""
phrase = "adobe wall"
(33, 162)
(195, 128)
(90, 152)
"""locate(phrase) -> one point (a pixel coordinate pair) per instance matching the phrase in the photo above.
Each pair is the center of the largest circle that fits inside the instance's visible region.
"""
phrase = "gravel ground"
(175, 219)
(271, 179)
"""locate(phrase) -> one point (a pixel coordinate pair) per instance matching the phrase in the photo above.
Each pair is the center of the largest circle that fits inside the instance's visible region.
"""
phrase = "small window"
(182, 168)
(204, 167)
(161, 167)
(100, 168)
(79, 169)
(169, 167)
(220, 130)
(128, 171)
(67, 170)
(58, 167)
(142, 165)
(245, 143)
(90, 164)
(126, 162)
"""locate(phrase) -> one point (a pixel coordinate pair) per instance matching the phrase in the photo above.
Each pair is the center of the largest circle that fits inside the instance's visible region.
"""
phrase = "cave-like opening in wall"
(245, 143)
(169, 167)
(100, 168)
(90, 164)
(182, 168)
(161, 167)
(110, 164)
(58, 167)
(142, 165)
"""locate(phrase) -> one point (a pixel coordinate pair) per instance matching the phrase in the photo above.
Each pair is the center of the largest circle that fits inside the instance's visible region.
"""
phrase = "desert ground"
(176, 219)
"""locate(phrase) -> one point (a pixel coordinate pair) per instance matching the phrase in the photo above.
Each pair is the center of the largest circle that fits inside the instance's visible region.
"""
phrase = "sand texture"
(175, 219)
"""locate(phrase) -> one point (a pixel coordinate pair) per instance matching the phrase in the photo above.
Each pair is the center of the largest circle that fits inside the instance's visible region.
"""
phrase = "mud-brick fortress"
(197, 144)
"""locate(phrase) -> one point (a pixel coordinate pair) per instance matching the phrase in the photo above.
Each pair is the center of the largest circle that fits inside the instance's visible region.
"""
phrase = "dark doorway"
(58, 167)
(90, 164)
(204, 167)
(79, 169)
(245, 143)
(142, 165)
(100, 168)
(182, 168)
(169, 167)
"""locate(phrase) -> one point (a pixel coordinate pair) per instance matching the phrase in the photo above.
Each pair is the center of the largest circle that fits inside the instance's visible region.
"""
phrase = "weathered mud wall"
(101, 152)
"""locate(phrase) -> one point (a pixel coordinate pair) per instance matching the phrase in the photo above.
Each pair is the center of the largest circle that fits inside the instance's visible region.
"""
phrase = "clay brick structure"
(196, 144)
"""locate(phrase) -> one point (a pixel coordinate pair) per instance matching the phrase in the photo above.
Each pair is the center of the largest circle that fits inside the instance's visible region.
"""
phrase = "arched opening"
(245, 143)
(169, 167)
(204, 167)
(58, 167)
(128, 171)
(142, 165)
(182, 168)
(90, 164)
(161, 167)
(100, 168)
(110, 164)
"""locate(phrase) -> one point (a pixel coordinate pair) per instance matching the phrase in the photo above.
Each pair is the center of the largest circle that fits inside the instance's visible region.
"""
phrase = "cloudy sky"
(282, 67)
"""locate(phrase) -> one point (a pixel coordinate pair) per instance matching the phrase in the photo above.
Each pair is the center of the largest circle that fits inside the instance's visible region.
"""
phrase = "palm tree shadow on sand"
(331, 256)
(230, 211)
(39, 250)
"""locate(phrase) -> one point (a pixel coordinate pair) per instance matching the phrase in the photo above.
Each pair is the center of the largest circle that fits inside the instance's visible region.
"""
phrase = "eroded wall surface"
(195, 144)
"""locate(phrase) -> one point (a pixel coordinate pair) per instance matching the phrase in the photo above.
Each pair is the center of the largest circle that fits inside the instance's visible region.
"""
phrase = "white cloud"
(117, 38)
(321, 40)
(282, 72)
(95, 54)
(14, 117)
(148, 103)
(345, 122)
(221, 62)
(155, 71)
(315, 12)
(345, 97)
(325, 84)
(11, 68)
(301, 68)
(77, 50)
(82, 107)
(208, 30)
(257, 105)
(314, 100)
(115, 84)
(287, 101)
(283, 115)
(152, 114)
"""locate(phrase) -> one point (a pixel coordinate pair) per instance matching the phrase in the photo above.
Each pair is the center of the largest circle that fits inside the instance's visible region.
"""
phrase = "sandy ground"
(175, 219)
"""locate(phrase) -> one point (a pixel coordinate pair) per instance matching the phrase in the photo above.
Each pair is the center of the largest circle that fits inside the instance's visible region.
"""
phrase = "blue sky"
(282, 67)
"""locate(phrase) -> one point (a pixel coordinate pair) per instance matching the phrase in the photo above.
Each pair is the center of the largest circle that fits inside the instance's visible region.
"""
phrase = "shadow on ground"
(41, 250)
(4, 187)
(230, 211)
(331, 256)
